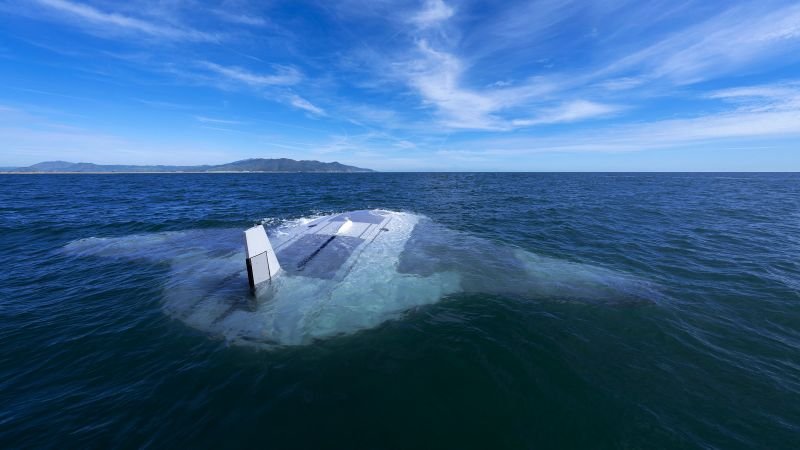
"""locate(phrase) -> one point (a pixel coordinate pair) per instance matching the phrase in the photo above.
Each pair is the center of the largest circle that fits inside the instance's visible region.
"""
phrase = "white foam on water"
(207, 285)
(291, 226)
(556, 278)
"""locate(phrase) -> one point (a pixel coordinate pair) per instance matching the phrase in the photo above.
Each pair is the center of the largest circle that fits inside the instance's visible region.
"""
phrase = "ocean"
(686, 334)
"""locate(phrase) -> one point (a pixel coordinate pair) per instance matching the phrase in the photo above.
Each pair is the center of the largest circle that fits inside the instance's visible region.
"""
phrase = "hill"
(246, 165)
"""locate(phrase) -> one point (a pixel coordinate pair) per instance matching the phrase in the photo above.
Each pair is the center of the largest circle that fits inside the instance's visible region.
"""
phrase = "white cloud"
(569, 112)
(434, 12)
(441, 78)
(283, 75)
(446, 69)
(162, 104)
(770, 97)
(727, 42)
(723, 43)
(212, 120)
(301, 103)
(436, 76)
(776, 116)
(243, 19)
(622, 83)
(113, 22)
(364, 115)
(405, 144)
(500, 84)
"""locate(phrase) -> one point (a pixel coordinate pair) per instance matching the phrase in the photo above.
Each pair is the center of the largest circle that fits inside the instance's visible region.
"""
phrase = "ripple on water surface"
(530, 334)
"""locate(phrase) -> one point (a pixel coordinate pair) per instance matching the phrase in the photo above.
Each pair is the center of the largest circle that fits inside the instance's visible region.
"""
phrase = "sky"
(430, 85)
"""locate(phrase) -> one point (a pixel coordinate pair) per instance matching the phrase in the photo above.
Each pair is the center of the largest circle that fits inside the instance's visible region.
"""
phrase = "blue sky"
(404, 85)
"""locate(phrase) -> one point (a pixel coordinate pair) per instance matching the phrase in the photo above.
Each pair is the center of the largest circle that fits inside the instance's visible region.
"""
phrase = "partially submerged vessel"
(327, 248)
(337, 274)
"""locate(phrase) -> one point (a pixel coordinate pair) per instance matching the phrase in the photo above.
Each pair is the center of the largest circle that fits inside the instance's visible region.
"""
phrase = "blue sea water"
(708, 357)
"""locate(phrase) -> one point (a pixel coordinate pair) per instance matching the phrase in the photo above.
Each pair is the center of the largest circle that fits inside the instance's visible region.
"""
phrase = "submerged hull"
(337, 279)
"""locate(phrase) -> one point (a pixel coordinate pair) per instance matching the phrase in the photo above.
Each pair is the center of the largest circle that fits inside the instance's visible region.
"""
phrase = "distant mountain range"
(246, 165)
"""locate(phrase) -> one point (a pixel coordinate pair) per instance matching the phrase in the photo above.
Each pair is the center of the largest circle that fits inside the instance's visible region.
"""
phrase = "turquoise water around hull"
(89, 358)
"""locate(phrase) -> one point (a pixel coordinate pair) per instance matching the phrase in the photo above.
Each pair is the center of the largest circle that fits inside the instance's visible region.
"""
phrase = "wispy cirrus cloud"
(282, 76)
(762, 98)
(213, 120)
(240, 18)
(87, 16)
(759, 112)
(301, 103)
(438, 76)
(272, 86)
(433, 12)
(159, 104)
(569, 112)
(724, 42)
(438, 79)
(463, 80)
(736, 38)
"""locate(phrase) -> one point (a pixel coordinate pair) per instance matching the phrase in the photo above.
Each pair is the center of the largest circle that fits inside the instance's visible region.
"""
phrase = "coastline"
(166, 172)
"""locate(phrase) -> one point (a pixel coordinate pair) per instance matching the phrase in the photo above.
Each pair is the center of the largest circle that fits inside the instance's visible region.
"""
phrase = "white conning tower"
(262, 264)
